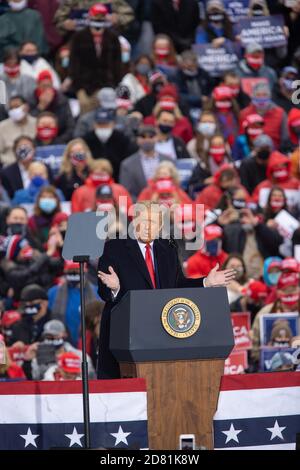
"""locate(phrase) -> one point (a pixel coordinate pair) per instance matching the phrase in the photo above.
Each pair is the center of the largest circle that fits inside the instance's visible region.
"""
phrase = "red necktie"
(149, 263)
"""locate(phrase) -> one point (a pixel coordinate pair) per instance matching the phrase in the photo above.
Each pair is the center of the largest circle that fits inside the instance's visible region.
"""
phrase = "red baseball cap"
(44, 75)
(212, 231)
(98, 9)
(164, 185)
(290, 264)
(257, 290)
(70, 265)
(10, 317)
(253, 119)
(222, 93)
(69, 362)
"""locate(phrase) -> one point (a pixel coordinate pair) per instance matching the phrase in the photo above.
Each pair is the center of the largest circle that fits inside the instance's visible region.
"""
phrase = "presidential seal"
(181, 318)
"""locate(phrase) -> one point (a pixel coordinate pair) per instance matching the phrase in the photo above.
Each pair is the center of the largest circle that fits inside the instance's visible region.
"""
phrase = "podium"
(178, 340)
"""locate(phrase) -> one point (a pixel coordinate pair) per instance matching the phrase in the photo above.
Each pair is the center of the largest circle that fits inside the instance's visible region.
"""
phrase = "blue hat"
(104, 116)
(289, 69)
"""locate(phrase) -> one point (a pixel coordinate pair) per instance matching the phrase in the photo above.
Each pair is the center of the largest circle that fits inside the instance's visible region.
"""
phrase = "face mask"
(254, 62)
(18, 6)
(57, 343)
(213, 247)
(217, 153)
(254, 132)
(47, 205)
(148, 146)
(100, 179)
(165, 129)
(104, 206)
(263, 154)
(280, 175)
(235, 90)
(274, 278)
(16, 229)
(190, 73)
(257, 11)
(103, 134)
(216, 18)
(280, 344)
(143, 69)
(24, 153)
(289, 299)
(30, 58)
(38, 181)
(99, 25)
(73, 279)
(65, 62)
(32, 309)
(276, 204)
(47, 133)
(262, 104)
(239, 273)
(223, 106)
(288, 84)
(12, 72)
(162, 51)
(207, 128)
(77, 158)
(17, 114)
(239, 203)
(125, 57)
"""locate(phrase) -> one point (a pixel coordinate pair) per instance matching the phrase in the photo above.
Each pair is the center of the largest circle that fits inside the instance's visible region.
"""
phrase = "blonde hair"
(102, 164)
(168, 166)
(37, 166)
(66, 165)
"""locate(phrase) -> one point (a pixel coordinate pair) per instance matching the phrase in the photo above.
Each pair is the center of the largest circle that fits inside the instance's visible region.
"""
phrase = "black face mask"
(257, 11)
(281, 344)
(239, 203)
(165, 129)
(16, 229)
(263, 154)
(63, 233)
(57, 343)
(30, 58)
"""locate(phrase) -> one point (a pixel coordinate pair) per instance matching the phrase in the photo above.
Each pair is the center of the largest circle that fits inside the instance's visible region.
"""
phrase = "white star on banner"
(120, 436)
(231, 434)
(75, 438)
(29, 438)
(276, 431)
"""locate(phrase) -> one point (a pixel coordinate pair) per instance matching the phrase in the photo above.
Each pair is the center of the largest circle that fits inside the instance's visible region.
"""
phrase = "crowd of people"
(117, 87)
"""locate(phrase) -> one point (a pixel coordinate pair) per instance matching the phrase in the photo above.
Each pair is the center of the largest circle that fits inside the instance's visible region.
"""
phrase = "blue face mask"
(288, 84)
(261, 103)
(38, 181)
(47, 205)
(274, 278)
(125, 57)
(65, 62)
(213, 247)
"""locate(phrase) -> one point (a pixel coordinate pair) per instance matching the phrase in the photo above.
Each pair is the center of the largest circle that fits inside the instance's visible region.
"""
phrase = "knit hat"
(263, 140)
(13, 246)
(33, 292)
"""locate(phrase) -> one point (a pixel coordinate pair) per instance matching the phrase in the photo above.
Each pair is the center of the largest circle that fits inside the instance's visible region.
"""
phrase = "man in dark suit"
(142, 261)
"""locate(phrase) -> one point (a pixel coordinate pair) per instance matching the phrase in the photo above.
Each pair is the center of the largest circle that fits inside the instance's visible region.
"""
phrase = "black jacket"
(202, 80)
(28, 331)
(11, 179)
(268, 240)
(87, 70)
(252, 174)
(118, 147)
(282, 100)
(68, 184)
(127, 260)
(179, 25)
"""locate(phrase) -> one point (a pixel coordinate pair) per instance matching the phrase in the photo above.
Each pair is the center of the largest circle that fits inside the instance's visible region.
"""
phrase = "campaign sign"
(267, 325)
(241, 324)
(236, 9)
(236, 363)
(268, 31)
(80, 15)
(248, 83)
(185, 168)
(267, 354)
(216, 60)
(51, 155)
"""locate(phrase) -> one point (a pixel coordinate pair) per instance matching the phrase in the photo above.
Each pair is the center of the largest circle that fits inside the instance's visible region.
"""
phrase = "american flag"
(258, 412)
(42, 415)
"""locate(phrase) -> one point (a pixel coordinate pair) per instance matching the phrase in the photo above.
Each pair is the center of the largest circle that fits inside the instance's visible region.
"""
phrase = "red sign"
(241, 324)
(249, 83)
(17, 353)
(236, 363)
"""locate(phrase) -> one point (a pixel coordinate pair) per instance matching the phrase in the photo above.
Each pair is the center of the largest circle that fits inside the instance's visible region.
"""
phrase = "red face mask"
(281, 175)
(223, 106)
(162, 52)
(105, 206)
(40, 91)
(289, 299)
(12, 72)
(276, 204)
(254, 62)
(235, 89)
(47, 133)
(100, 178)
(217, 153)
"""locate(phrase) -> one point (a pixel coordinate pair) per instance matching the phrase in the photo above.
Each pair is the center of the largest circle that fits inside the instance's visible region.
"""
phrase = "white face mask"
(17, 114)
(103, 134)
(18, 6)
(207, 128)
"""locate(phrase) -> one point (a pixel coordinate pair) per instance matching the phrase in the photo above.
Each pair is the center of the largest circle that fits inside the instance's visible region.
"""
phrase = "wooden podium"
(182, 373)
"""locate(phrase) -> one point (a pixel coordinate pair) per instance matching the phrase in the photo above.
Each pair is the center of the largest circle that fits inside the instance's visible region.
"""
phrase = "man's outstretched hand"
(219, 278)
(111, 280)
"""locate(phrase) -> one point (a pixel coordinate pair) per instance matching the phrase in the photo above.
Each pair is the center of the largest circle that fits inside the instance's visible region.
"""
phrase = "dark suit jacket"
(128, 262)
(11, 179)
